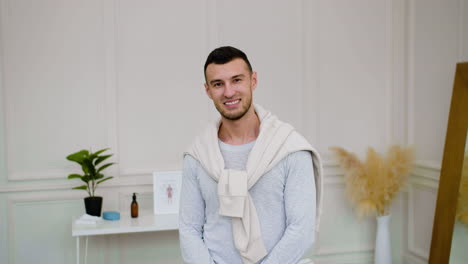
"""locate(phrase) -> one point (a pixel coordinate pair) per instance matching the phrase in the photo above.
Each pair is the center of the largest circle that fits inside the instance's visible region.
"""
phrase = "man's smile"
(232, 103)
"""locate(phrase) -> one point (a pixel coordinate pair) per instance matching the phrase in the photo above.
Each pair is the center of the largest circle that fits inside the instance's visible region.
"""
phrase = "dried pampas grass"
(372, 184)
(462, 204)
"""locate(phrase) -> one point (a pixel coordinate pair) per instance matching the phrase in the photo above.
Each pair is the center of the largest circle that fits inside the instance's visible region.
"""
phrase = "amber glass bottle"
(134, 207)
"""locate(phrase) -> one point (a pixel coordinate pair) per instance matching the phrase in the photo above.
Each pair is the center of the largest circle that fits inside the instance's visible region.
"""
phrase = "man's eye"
(217, 84)
(237, 80)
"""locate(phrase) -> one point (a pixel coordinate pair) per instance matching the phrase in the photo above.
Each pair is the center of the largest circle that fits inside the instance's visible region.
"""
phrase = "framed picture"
(166, 192)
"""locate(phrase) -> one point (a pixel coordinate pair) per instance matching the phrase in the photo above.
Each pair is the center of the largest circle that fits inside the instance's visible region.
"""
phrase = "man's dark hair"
(224, 55)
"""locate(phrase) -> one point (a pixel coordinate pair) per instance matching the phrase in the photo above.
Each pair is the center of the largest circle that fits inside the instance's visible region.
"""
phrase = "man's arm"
(192, 217)
(299, 199)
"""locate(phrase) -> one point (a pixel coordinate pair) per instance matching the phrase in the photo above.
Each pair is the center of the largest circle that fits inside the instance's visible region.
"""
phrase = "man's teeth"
(231, 103)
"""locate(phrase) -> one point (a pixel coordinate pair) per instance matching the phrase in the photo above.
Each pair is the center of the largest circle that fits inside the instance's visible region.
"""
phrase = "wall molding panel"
(160, 97)
(399, 84)
(412, 234)
(212, 39)
(110, 16)
(414, 259)
(410, 75)
(16, 201)
(311, 69)
(388, 82)
(53, 90)
(461, 30)
(357, 247)
(424, 179)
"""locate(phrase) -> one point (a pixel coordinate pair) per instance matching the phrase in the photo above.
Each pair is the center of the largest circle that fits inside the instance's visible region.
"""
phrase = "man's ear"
(253, 78)
(207, 91)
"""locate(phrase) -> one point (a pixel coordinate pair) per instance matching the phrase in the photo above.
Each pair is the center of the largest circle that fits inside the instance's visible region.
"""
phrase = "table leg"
(86, 251)
(77, 250)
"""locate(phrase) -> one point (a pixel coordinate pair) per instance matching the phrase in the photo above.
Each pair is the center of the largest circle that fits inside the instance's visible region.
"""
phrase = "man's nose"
(229, 90)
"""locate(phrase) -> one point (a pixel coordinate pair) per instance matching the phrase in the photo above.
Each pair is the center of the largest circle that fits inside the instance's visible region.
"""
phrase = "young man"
(251, 183)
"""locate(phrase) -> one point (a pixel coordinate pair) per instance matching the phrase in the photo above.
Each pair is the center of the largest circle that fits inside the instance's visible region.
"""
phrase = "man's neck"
(242, 131)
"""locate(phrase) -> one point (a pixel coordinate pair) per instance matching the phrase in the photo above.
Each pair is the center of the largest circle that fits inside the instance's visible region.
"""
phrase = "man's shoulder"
(300, 155)
(201, 140)
(296, 142)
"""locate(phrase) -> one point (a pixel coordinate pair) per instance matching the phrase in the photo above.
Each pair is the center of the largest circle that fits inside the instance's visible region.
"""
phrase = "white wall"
(128, 75)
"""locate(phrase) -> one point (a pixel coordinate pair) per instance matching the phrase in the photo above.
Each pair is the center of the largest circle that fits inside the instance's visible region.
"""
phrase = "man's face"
(230, 86)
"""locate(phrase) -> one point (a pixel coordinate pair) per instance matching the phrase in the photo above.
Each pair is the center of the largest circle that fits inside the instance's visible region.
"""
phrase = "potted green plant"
(92, 176)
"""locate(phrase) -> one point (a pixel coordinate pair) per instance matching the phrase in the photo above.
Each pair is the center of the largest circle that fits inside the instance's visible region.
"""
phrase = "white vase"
(383, 251)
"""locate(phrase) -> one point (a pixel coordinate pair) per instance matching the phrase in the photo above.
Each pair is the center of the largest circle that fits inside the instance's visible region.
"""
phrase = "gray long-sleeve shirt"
(284, 199)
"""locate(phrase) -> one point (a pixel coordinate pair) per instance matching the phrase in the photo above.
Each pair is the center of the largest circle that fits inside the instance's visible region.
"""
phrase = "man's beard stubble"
(235, 116)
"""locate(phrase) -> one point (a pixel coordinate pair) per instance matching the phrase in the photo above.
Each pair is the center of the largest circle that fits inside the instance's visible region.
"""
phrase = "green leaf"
(105, 166)
(82, 187)
(90, 167)
(101, 159)
(100, 151)
(74, 176)
(95, 155)
(103, 180)
(99, 176)
(79, 156)
(86, 178)
(84, 168)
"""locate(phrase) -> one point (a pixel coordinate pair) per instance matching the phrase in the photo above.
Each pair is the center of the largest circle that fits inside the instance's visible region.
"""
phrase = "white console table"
(126, 224)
